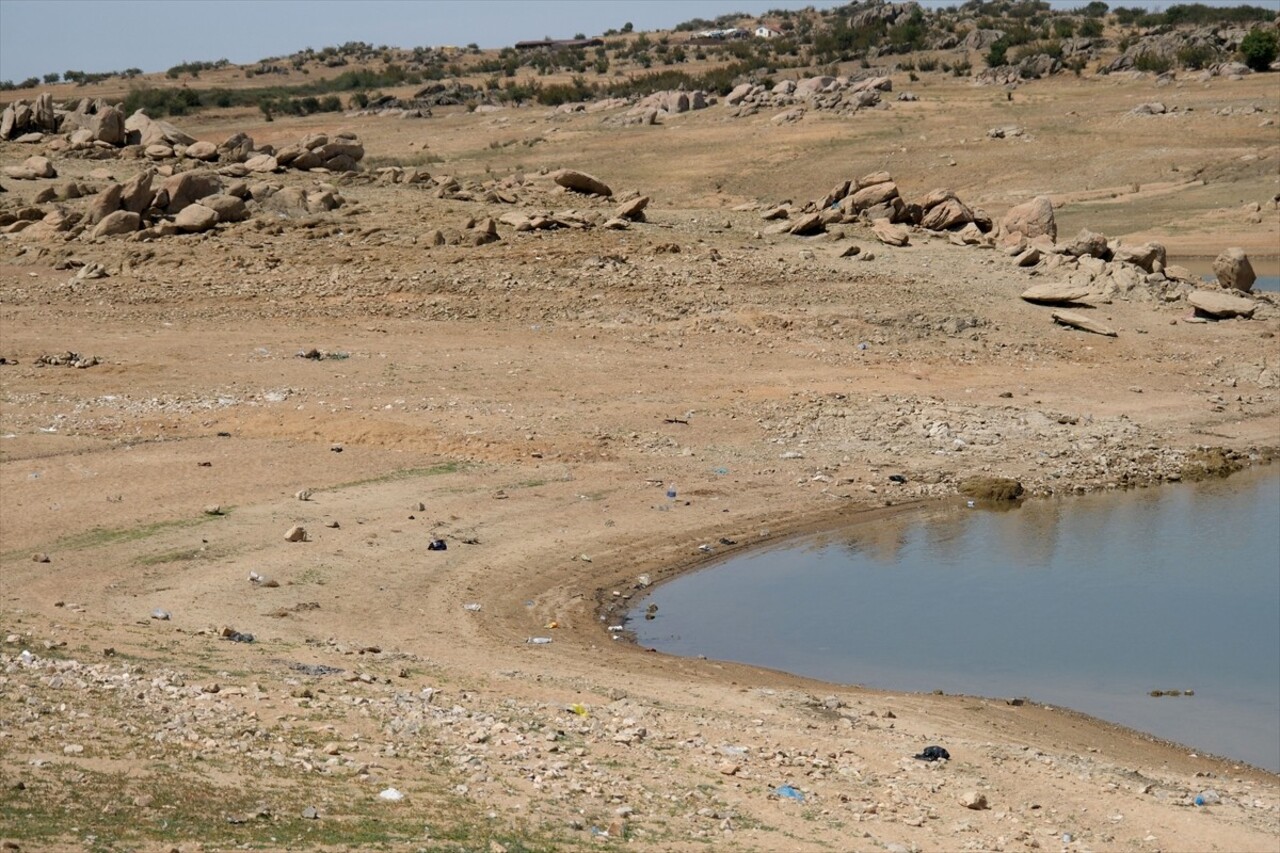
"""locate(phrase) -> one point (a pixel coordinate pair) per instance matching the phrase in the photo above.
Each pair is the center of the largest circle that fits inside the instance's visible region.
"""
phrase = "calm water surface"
(1087, 602)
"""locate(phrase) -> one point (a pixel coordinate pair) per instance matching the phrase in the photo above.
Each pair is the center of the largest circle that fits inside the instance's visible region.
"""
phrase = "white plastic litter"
(391, 794)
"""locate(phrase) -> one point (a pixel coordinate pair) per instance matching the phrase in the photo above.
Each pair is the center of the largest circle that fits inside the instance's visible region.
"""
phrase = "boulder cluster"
(92, 123)
(96, 129)
(831, 94)
(874, 199)
(240, 156)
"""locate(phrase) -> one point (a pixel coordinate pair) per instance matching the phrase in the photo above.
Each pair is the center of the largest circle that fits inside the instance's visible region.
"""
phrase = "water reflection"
(1089, 602)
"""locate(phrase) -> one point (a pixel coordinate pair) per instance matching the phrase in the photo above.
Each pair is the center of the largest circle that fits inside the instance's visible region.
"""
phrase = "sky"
(42, 36)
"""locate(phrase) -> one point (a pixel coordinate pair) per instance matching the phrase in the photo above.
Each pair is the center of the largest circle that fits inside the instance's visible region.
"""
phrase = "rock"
(1031, 219)
(870, 196)
(120, 222)
(188, 187)
(107, 125)
(297, 533)
(1149, 256)
(973, 800)
(144, 130)
(196, 218)
(1083, 323)
(340, 146)
(236, 149)
(1217, 303)
(948, 214)
(39, 167)
(580, 182)
(810, 223)
(1055, 293)
(205, 151)
(158, 151)
(136, 195)
(1089, 244)
(1028, 258)
(888, 233)
(1154, 108)
(340, 163)
(104, 204)
(266, 163)
(633, 210)
(228, 207)
(1233, 270)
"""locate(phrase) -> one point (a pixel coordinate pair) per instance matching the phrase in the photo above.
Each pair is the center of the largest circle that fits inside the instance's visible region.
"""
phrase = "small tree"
(1259, 48)
(996, 54)
(52, 77)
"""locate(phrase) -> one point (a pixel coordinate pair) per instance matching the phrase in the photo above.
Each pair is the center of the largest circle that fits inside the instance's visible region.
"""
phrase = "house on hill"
(766, 32)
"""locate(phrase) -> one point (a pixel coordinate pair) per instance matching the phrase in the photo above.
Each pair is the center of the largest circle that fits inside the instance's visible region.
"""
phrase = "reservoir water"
(1089, 603)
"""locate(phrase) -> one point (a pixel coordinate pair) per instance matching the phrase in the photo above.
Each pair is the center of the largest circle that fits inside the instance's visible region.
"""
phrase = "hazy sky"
(41, 36)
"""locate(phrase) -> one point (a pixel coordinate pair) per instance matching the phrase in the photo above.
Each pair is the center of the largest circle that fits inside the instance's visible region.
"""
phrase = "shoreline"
(922, 510)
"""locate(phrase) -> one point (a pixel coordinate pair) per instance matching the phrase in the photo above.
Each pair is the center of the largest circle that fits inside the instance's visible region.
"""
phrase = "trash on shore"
(934, 753)
(787, 792)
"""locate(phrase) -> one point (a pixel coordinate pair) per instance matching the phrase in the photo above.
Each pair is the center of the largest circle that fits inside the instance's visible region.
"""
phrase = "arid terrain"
(382, 373)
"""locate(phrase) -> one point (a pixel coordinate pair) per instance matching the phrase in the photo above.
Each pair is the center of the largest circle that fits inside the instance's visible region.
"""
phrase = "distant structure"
(766, 32)
(722, 35)
(538, 44)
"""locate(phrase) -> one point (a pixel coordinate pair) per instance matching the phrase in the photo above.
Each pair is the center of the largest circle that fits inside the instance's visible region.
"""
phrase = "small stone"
(310, 813)
(297, 533)
(40, 558)
(973, 800)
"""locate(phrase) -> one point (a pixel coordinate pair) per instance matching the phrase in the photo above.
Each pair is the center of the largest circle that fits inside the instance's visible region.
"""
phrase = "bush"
(1258, 49)
(1154, 63)
(52, 77)
(997, 54)
(1090, 28)
(1196, 57)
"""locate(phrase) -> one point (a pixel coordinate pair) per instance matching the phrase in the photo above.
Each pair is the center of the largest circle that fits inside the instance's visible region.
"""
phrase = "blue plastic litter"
(790, 793)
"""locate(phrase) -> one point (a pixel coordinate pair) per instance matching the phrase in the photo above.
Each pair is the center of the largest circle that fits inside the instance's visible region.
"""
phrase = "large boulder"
(188, 187)
(236, 149)
(1233, 270)
(581, 182)
(205, 151)
(1089, 244)
(195, 218)
(145, 131)
(33, 168)
(949, 213)
(120, 222)
(870, 196)
(1031, 219)
(107, 125)
(262, 163)
(228, 207)
(136, 194)
(1150, 256)
(104, 204)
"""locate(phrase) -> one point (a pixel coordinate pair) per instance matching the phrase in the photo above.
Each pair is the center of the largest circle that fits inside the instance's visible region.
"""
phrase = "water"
(1088, 603)
(1262, 282)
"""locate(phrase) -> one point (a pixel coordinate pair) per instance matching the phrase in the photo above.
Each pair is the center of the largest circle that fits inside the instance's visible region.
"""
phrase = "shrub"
(1196, 56)
(997, 54)
(1152, 62)
(1258, 49)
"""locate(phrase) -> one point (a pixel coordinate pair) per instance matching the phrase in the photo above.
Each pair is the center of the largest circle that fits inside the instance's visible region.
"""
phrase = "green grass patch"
(402, 474)
(100, 537)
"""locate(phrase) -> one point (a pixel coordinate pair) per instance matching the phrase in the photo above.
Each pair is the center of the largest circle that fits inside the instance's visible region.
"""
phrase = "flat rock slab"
(581, 182)
(1215, 303)
(888, 233)
(1055, 293)
(1079, 321)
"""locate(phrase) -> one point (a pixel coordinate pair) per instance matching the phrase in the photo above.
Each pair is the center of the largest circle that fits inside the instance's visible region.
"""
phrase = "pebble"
(297, 533)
